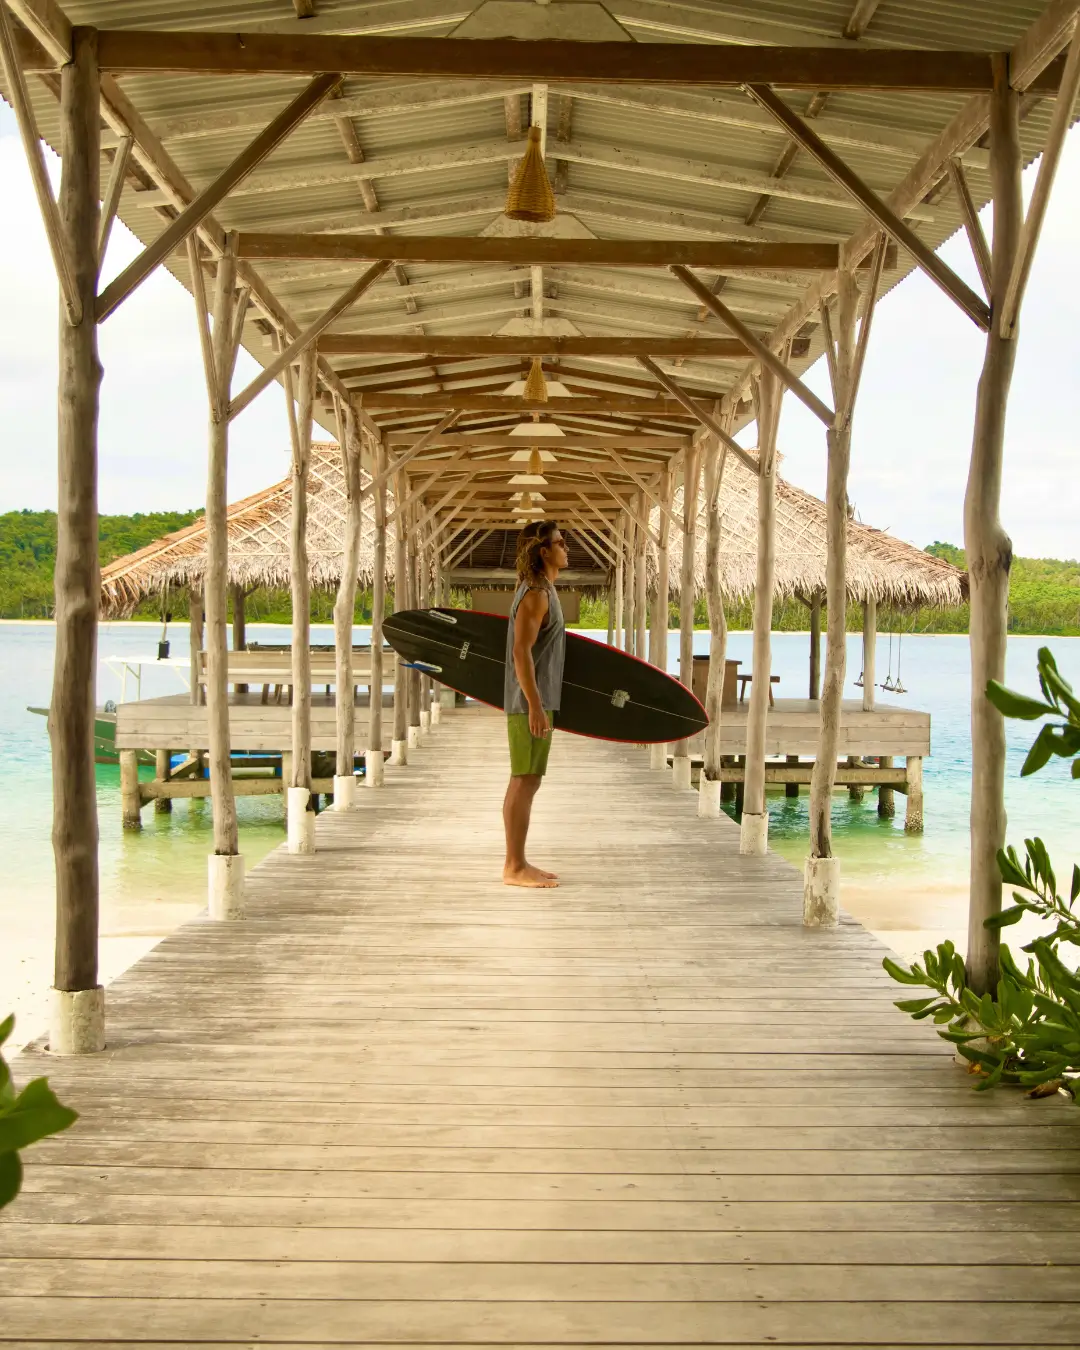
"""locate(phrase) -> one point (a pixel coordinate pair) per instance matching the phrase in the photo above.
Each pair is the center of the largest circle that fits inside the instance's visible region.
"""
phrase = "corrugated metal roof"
(643, 163)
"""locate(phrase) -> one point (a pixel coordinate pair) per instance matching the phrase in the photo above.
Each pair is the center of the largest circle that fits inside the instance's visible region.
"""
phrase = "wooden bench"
(744, 680)
(273, 669)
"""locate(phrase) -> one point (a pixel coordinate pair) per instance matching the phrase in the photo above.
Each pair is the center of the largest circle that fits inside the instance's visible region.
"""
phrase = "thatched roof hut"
(258, 528)
(878, 565)
(895, 573)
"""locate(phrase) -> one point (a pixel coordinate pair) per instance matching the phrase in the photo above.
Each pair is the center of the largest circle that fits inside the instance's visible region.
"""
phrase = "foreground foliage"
(1029, 1033)
(24, 1119)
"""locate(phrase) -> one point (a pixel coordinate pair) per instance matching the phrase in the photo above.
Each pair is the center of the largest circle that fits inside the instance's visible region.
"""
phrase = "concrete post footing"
(225, 885)
(708, 796)
(77, 1021)
(301, 822)
(344, 791)
(374, 771)
(754, 833)
(821, 892)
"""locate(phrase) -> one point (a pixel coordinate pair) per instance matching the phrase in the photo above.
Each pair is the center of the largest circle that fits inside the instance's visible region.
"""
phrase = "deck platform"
(403, 1104)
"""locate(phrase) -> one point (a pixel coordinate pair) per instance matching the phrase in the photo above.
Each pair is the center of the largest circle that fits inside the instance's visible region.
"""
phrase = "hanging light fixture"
(534, 475)
(536, 390)
(530, 196)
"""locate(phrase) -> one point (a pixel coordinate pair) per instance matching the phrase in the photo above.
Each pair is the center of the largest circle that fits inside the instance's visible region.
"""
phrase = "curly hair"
(532, 540)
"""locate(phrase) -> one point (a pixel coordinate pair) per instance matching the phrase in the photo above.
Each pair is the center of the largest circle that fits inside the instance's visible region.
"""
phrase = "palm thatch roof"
(879, 566)
(258, 529)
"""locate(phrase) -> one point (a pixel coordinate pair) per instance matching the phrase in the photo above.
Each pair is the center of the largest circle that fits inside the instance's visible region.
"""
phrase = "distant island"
(1044, 593)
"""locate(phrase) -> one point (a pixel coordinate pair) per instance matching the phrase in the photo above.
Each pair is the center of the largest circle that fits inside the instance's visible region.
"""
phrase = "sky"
(912, 428)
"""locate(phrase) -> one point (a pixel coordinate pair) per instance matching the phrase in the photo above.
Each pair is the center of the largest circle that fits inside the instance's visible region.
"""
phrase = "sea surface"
(911, 890)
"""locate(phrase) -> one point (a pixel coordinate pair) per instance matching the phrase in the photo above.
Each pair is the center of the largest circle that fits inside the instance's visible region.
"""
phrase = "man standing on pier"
(535, 652)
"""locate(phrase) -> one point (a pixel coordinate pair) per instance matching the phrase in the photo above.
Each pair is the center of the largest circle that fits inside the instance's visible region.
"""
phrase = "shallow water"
(909, 889)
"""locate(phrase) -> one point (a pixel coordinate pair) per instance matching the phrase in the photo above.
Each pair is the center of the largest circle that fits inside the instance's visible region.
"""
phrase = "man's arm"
(531, 613)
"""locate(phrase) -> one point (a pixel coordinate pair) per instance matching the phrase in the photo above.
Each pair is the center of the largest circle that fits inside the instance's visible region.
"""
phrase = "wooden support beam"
(695, 410)
(193, 215)
(299, 344)
(989, 549)
(512, 404)
(17, 92)
(373, 760)
(976, 237)
(111, 204)
(538, 250)
(715, 456)
(846, 407)
(938, 271)
(137, 51)
(656, 496)
(300, 585)
(764, 353)
(350, 344)
(345, 602)
(395, 469)
(1044, 181)
(77, 580)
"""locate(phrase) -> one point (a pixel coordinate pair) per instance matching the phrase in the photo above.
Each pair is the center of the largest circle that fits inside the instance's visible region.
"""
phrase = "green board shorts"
(528, 753)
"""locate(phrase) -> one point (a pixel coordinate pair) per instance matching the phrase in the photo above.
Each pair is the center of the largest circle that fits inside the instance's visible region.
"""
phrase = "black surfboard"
(606, 694)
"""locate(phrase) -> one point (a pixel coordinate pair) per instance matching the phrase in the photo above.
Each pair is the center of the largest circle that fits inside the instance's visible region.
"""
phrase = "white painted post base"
(708, 802)
(399, 752)
(680, 773)
(425, 722)
(436, 712)
(300, 826)
(658, 756)
(374, 774)
(225, 886)
(77, 1023)
(754, 834)
(414, 738)
(447, 699)
(344, 791)
(821, 893)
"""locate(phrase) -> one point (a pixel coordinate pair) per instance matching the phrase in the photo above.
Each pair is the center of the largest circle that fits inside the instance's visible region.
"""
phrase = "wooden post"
(989, 552)
(869, 652)
(423, 598)
(611, 611)
(412, 557)
(754, 832)
(711, 789)
(661, 608)
(301, 816)
(226, 868)
(345, 610)
(195, 640)
(373, 755)
(641, 596)
(791, 789)
(630, 628)
(886, 797)
(399, 746)
(130, 802)
(239, 627)
(162, 772)
(821, 886)
(78, 1020)
(680, 767)
(913, 814)
(815, 646)
(620, 568)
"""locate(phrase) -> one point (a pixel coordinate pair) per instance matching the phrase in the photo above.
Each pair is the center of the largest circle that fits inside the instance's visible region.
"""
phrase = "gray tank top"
(549, 653)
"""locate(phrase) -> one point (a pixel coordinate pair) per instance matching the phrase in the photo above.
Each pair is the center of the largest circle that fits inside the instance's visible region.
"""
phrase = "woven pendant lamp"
(536, 464)
(530, 196)
(536, 386)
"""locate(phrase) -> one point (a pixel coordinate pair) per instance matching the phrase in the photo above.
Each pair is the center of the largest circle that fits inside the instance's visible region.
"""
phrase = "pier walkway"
(404, 1104)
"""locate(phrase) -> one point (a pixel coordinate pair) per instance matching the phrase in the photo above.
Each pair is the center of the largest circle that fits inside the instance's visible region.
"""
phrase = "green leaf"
(34, 1114)
(7, 1026)
(915, 1005)
(1012, 874)
(1074, 889)
(1040, 752)
(900, 973)
(10, 1177)
(1006, 918)
(1011, 704)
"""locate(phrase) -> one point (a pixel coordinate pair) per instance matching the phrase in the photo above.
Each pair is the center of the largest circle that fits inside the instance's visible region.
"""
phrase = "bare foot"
(530, 877)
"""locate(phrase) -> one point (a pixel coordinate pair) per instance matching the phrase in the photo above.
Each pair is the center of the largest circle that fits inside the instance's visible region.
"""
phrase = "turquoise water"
(905, 887)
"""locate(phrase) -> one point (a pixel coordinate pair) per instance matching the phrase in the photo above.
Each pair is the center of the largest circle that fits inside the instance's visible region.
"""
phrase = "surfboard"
(606, 694)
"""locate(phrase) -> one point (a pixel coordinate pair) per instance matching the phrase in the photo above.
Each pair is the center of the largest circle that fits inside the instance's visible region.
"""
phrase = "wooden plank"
(136, 51)
(541, 251)
(512, 404)
(651, 1109)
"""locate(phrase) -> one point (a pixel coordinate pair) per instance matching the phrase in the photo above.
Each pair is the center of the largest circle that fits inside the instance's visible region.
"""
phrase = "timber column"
(301, 809)
(680, 764)
(373, 755)
(78, 1011)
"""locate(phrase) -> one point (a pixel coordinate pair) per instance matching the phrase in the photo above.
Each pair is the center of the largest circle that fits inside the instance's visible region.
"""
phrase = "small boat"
(125, 668)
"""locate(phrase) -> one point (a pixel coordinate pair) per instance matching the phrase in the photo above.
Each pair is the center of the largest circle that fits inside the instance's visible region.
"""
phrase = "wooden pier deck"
(402, 1104)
